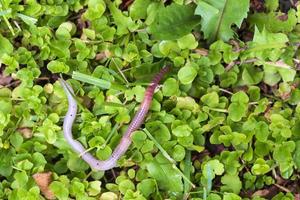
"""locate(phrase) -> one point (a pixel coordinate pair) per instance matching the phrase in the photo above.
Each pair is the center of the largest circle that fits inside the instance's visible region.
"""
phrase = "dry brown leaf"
(43, 180)
(26, 132)
(261, 193)
(5, 80)
(201, 51)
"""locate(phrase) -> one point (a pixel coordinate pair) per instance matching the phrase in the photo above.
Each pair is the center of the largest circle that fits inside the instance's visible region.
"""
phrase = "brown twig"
(237, 62)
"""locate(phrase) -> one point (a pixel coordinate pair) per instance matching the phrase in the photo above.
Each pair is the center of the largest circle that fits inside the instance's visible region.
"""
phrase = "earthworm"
(125, 142)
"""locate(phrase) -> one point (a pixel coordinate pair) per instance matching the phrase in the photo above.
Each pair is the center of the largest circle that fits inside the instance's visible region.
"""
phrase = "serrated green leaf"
(218, 17)
(124, 23)
(267, 45)
(272, 22)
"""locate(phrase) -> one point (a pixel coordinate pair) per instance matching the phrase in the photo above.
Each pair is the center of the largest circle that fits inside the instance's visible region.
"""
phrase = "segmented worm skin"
(125, 142)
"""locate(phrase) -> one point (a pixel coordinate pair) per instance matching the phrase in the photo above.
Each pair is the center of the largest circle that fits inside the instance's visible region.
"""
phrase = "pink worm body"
(125, 142)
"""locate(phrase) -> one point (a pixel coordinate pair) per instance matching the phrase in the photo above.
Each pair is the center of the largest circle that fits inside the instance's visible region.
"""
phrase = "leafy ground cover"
(225, 123)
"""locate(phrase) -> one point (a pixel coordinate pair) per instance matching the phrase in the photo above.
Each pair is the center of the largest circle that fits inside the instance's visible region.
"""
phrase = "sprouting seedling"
(126, 139)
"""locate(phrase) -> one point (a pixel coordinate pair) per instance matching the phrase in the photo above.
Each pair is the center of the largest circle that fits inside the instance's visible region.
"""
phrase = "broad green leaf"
(295, 97)
(76, 188)
(108, 196)
(277, 70)
(298, 13)
(146, 187)
(138, 138)
(280, 126)
(262, 131)
(178, 153)
(131, 195)
(187, 42)
(148, 146)
(126, 185)
(182, 131)
(166, 47)
(166, 176)
(187, 74)
(64, 31)
(210, 170)
(76, 164)
(173, 22)
(231, 161)
(219, 16)
(232, 183)
(233, 138)
(6, 46)
(231, 196)
(260, 167)
(282, 154)
(16, 140)
(254, 93)
(138, 9)
(21, 179)
(103, 153)
(252, 75)
(60, 48)
(59, 190)
(6, 166)
(228, 79)
(211, 99)
(239, 106)
(152, 12)
(240, 97)
(187, 103)
(5, 104)
(170, 87)
(95, 9)
(57, 67)
(213, 196)
(213, 123)
(159, 130)
(296, 156)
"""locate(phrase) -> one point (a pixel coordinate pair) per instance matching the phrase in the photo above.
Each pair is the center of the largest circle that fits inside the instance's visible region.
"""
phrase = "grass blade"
(91, 80)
